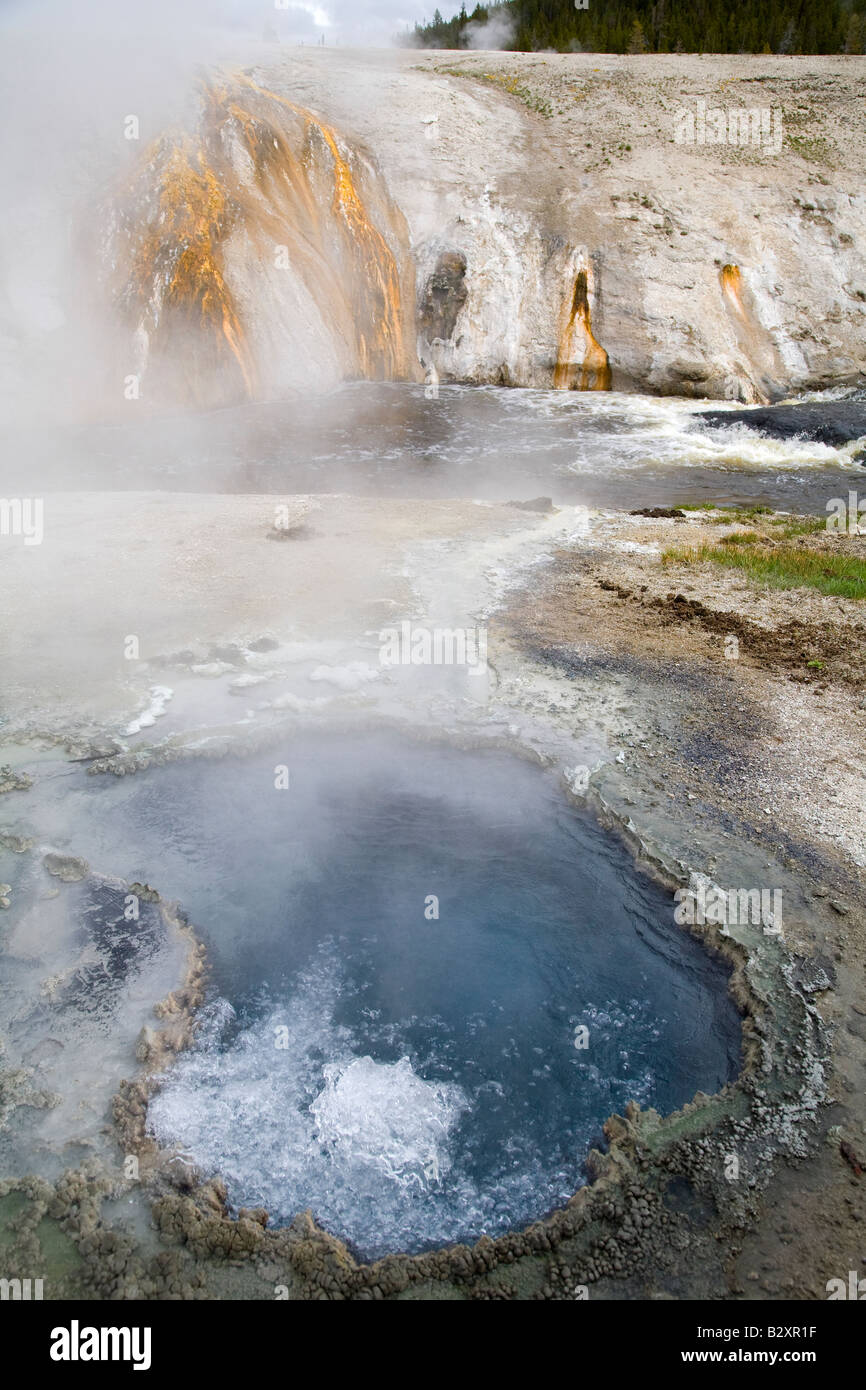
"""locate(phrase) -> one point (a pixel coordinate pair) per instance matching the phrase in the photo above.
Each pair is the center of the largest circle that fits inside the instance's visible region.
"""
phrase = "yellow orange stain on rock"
(732, 286)
(240, 172)
(178, 246)
(582, 363)
(377, 294)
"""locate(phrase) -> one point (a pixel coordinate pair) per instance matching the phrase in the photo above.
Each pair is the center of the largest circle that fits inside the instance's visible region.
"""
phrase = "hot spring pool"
(413, 1078)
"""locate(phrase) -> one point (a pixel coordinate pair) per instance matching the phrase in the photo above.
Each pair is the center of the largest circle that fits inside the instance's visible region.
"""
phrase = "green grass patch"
(800, 526)
(741, 538)
(728, 516)
(787, 526)
(784, 567)
(726, 513)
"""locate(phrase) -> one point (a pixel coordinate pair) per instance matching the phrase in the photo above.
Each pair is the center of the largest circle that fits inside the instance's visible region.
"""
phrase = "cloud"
(497, 32)
(350, 23)
(357, 23)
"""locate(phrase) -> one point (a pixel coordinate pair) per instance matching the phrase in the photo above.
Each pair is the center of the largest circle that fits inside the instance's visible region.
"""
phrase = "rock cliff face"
(680, 225)
(588, 208)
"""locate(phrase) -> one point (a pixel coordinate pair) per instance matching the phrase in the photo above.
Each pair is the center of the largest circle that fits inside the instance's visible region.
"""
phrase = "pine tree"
(854, 37)
(637, 39)
(683, 26)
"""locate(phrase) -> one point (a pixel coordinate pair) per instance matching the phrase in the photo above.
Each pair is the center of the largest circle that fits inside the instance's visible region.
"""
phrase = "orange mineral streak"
(176, 275)
(267, 167)
(377, 300)
(582, 363)
(758, 358)
(732, 287)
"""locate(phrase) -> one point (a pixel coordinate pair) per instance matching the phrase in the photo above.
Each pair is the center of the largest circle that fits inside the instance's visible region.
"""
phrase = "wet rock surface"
(12, 781)
(830, 422)
(444, 296)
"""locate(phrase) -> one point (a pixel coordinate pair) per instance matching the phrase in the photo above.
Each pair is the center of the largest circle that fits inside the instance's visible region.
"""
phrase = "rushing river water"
(596, 448)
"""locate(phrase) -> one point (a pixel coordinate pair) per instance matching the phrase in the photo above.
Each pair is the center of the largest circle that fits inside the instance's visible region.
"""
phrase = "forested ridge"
(654, 26)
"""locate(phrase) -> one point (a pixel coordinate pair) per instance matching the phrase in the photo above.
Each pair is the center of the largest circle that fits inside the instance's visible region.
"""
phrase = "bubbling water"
(384, 1157)
(382, 1116)
(365, 1153)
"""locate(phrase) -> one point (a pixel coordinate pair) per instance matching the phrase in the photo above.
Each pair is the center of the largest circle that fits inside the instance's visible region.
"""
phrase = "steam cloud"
(497, 32)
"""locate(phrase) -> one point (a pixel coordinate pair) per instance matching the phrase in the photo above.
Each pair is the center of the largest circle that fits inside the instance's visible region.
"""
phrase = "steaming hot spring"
(432, 980)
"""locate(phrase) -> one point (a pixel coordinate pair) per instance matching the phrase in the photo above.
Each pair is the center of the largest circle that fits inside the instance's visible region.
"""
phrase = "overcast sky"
(347, 21)
(357, 22)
